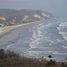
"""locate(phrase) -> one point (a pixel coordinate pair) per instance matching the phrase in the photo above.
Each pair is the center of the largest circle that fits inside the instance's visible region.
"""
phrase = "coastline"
(6, 29)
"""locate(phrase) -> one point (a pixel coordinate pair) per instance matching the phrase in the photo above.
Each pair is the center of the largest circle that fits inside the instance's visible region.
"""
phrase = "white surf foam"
(36, 37)
(64, 24)
(64, 46)
(61, 31)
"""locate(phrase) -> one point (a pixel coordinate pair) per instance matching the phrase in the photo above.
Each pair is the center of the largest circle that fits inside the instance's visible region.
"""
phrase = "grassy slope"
(11, 59)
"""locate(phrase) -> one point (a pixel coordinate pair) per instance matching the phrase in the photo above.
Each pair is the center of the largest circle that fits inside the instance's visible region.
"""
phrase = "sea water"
(38, 39)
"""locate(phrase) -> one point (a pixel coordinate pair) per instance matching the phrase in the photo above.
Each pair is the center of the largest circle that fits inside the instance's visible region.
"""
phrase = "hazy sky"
(56, 7)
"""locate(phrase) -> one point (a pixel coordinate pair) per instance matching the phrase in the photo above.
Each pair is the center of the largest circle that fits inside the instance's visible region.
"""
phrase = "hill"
(12, 16)
(11, 59)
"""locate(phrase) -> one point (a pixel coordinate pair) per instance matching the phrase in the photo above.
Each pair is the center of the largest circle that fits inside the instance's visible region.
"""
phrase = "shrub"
(63, 65)
(11, 53)
(50, 63)
(2, 53)
(1, 65)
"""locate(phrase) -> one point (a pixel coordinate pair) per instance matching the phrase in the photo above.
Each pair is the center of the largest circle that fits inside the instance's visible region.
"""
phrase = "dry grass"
(11, 59)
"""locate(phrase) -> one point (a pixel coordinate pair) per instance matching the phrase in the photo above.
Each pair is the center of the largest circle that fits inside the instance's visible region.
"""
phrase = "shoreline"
(6, 29)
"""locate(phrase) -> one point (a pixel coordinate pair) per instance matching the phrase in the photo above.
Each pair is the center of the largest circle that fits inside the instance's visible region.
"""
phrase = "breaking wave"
(39, 39)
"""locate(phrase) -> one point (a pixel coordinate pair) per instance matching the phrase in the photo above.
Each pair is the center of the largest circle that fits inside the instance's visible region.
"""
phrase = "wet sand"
(7, 29)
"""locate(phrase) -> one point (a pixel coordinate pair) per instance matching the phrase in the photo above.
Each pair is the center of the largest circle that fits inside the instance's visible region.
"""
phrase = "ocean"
(38, 39)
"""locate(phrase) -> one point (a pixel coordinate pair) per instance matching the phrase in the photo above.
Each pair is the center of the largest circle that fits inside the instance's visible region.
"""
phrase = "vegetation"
(11, 59)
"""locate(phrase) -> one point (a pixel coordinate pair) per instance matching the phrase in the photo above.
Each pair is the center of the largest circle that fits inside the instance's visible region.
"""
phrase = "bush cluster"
(11, 59)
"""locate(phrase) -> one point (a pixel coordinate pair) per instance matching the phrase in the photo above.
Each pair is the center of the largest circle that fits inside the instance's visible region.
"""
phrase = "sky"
(56, 7)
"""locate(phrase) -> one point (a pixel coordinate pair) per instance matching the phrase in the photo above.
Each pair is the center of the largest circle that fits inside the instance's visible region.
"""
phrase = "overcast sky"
(56, 7)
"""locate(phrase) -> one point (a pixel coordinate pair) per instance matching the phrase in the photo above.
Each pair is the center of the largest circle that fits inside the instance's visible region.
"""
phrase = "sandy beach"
(6, 29)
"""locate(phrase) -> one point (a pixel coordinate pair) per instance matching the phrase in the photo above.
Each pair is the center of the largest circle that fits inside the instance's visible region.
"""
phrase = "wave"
(38, 39)
(63, 30)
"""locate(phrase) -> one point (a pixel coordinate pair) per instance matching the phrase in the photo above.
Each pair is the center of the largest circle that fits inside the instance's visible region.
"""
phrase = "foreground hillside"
(11, 59)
